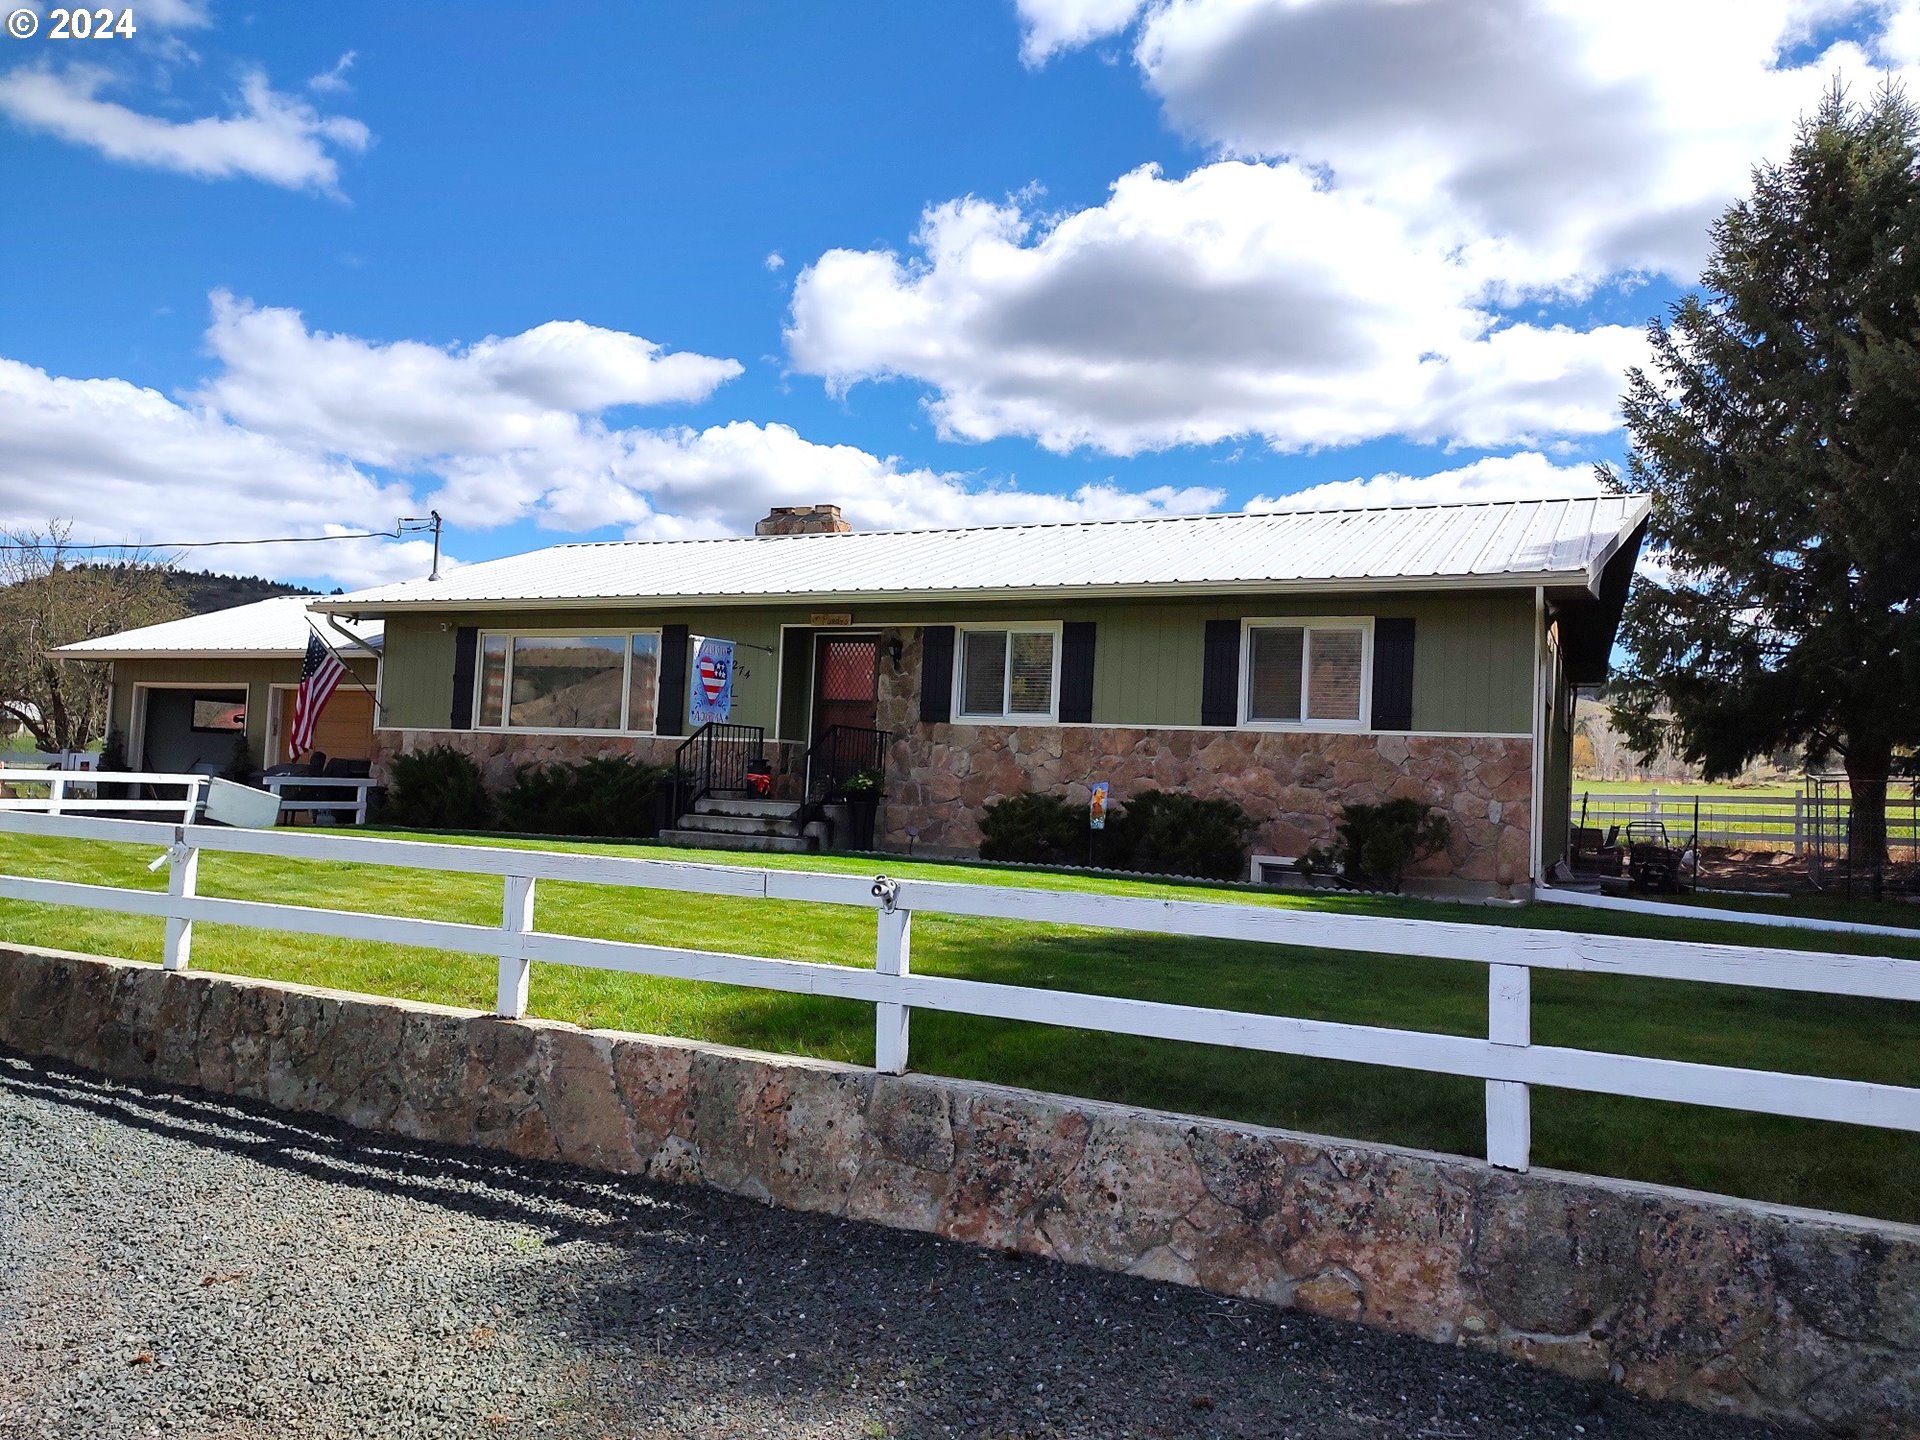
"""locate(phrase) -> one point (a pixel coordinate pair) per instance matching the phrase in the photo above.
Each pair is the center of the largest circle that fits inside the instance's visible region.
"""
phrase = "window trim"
(1009, 628)
(506, 695)
(1305, 724)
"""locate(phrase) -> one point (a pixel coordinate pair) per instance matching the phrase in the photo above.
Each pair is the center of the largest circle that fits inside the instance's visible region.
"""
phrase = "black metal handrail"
(840, 752)
(717, 756)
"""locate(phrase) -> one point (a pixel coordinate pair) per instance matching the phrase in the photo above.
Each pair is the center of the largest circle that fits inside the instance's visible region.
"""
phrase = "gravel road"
(176, 1265)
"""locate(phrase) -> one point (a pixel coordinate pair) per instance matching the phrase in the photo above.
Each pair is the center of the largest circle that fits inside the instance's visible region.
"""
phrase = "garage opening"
(193, 731)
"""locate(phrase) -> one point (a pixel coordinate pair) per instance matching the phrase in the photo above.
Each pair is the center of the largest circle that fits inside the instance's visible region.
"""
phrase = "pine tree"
(1779, 436)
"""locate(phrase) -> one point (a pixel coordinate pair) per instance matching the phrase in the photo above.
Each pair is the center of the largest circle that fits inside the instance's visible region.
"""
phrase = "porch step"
(711, 823)
(727, 805)
(726, 840)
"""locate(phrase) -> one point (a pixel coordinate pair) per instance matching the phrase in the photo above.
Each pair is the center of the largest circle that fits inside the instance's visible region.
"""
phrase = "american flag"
(320, 674)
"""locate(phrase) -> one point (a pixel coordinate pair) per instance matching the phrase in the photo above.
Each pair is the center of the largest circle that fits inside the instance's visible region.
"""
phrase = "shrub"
(437, 789)
(241, 768)
(1034, 828)
(113, 756)
(863, 785)
(1374, 844)
(1168, 832)
(610, 796)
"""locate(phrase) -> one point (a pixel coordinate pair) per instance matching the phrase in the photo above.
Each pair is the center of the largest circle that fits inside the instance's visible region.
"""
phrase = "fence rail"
(69, 789)
(349, 794)
(1506, 1059)
(1775, 822)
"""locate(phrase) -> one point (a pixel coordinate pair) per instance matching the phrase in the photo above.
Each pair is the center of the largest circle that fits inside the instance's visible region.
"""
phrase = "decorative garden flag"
(1097, 805)
(711, 697)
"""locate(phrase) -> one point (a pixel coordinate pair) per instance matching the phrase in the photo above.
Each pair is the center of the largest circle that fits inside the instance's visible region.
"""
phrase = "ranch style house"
(1292, 661)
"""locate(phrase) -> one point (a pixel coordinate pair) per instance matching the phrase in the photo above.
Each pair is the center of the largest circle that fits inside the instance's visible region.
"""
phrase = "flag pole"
(343, 664)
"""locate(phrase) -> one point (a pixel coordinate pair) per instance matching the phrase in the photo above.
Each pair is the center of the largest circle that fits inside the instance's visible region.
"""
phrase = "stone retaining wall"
(1767, 1311)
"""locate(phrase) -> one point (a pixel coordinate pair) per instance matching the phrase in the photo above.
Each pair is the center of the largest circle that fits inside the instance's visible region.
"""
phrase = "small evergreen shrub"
(113, 757)
(1374, 844)
(437, 789)
(241, 768)
(610, 796)
(1035, 829)
(1169, 832)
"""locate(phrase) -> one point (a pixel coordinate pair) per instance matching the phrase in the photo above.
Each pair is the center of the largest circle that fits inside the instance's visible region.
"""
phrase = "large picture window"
(546, 681)
(1009, 673)
(1313, 673)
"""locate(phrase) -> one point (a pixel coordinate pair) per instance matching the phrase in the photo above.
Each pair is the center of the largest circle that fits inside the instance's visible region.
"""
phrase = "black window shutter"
(1076, 672)
(672, 717)
(936, 675)
(466, 640)
(1392, 674)
(1220, 674)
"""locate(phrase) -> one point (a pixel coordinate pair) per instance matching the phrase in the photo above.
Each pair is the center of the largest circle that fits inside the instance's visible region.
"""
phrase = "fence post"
(56, 792)
(1509, 1102)
(1800, 822)
(183, 871)
(892, 956)
(516, 918)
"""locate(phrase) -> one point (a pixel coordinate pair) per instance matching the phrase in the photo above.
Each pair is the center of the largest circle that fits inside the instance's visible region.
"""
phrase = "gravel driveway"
(176, 1265)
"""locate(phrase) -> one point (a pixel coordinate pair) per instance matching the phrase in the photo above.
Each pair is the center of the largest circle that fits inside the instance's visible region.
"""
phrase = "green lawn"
(1841, 1167)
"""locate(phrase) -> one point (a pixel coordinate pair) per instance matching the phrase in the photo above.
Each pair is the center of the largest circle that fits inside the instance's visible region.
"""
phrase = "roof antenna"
(432, 517)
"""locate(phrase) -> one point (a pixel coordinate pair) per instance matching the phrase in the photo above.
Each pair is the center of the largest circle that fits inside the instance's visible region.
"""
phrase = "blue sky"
(904, 257)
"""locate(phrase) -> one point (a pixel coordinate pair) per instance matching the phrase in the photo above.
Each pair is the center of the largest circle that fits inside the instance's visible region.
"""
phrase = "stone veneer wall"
(1771, 1312)
(940, 777)
(499, 752)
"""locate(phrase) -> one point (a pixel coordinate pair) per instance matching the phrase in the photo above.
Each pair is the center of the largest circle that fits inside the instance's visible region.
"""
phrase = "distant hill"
(199, 591)
(202, 590)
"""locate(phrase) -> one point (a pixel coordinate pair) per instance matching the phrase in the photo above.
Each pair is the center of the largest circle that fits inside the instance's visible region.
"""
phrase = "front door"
(846, 670)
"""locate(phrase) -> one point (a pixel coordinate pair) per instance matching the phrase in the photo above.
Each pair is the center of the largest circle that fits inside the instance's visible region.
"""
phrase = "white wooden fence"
(78, 790)
(348, 797)
(1506, 1060)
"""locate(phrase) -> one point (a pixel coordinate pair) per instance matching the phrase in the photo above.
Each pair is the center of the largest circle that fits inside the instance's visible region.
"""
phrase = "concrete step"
(728, 805)
(740, 824)
(711, 840)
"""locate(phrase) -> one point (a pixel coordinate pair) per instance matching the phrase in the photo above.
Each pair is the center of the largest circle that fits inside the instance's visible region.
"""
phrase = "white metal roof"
(266, 629)
(1515, 542)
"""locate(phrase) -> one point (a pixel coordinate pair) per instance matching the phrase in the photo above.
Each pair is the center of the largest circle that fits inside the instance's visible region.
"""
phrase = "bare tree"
(51, 595)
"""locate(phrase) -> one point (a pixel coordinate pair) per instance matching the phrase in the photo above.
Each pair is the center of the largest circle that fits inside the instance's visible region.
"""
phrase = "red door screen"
(844, 671)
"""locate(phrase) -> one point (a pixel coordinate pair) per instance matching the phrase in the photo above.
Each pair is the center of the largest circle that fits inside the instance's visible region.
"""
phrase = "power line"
(394, 534)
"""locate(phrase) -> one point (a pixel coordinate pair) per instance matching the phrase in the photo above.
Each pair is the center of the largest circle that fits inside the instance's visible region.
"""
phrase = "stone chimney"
(802, 520)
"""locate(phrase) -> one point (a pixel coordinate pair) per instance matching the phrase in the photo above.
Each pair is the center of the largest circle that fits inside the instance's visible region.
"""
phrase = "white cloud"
(1050, 26)
(400, 403)
(333, 79)
(1589, 139)
(301, 433)
(1242, 299)
(1395, 183)
(775, 260)
(1528, 475)
(127, 463)
(271, 136)
(721, 479)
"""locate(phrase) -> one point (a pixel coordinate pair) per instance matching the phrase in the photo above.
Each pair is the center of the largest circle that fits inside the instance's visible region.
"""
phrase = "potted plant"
(860, 792)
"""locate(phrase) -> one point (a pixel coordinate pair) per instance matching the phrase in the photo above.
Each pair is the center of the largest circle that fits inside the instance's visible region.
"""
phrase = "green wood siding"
(1472, 667)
